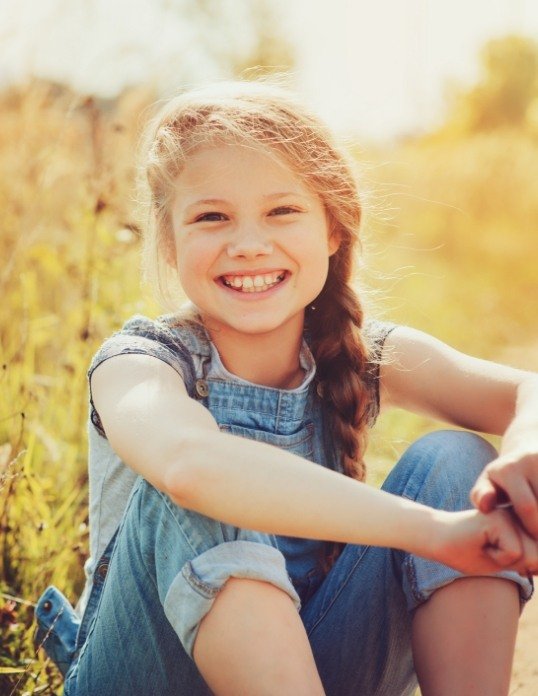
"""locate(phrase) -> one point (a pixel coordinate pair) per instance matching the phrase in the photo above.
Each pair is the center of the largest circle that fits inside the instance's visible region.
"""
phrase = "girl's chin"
(251, 325)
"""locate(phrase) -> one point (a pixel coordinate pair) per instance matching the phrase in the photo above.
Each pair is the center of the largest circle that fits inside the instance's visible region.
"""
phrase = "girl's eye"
(283, 210)
(210, 217)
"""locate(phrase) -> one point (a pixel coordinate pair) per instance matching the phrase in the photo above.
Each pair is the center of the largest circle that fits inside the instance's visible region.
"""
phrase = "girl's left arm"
(424, 375)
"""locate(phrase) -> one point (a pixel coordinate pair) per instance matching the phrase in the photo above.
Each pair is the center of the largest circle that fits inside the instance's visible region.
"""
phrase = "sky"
(383, 67)
(376, 69)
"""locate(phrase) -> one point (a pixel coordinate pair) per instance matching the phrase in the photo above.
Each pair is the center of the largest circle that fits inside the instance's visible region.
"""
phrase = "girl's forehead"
(227, 166)
(220, 154)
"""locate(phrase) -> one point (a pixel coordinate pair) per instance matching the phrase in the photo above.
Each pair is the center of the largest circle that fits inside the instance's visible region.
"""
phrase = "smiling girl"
(235, 548)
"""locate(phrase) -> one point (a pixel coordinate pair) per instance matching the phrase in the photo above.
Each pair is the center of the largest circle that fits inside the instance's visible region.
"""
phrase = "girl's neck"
(270, 359)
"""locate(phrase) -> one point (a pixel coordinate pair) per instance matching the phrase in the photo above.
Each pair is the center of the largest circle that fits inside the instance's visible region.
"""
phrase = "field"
(449, 247)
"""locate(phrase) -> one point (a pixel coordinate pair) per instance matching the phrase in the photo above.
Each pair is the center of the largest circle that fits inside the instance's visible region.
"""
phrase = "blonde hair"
(261, 114)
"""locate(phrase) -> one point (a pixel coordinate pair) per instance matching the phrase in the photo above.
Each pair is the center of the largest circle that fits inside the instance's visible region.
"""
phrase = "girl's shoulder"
(141, 334)
(170, 338)
(374, 333)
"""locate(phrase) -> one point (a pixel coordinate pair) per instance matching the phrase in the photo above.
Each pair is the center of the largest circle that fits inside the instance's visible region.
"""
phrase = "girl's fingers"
(528, 516)
(503, 558)
(525, 503)
(506, 480)
(504, 540)
(529, 561)
(484, 495)
(509, 546)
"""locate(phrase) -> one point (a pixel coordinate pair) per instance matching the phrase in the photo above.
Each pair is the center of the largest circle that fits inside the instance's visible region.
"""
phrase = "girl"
(234, 547)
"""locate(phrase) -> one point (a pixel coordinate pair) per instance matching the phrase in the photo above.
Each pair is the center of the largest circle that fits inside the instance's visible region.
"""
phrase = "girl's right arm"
(174, 443)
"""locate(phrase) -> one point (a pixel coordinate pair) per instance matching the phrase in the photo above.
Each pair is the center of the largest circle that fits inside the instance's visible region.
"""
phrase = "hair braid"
(342, 359)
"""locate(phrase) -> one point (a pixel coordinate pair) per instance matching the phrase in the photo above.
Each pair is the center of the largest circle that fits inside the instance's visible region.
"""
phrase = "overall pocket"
(57, 628)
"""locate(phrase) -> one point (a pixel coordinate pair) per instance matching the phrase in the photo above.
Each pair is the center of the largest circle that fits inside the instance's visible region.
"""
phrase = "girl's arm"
(425, 375)
(173, 442)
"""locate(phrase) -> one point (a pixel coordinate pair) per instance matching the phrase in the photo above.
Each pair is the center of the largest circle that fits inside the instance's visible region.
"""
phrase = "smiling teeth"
(256, 283)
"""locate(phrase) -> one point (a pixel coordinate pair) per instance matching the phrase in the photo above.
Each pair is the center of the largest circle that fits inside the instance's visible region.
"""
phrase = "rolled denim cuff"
(421, 578)
(194, 589)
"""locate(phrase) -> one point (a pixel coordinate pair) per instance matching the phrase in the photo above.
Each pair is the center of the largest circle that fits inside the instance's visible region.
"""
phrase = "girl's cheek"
(195, 247)
(196, 259)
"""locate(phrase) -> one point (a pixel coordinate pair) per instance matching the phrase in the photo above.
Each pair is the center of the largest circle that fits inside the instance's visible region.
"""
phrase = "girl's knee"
(440, 468)
(190, 557)
(191, 593)
(457, 450)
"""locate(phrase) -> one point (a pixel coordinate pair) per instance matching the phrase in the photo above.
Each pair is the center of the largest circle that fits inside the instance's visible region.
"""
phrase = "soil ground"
(525, 674)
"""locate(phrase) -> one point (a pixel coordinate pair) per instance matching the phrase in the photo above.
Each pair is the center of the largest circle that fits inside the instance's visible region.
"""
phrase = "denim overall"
(162, 570)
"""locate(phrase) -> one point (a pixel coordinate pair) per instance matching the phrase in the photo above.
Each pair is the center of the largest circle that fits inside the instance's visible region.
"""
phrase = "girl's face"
(252, 242)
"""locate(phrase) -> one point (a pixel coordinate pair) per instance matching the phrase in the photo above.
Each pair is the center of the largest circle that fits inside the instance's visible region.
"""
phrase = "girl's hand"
(512, 477)
(476, 543)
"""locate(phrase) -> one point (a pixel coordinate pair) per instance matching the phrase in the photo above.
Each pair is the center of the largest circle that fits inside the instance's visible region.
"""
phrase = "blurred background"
(437, 101)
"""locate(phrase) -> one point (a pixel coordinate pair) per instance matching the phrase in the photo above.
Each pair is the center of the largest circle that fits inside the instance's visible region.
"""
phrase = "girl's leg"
(464, 634)
(471, 624)
(254, 642)
(359, 627)
(360, 621)
(167, 571)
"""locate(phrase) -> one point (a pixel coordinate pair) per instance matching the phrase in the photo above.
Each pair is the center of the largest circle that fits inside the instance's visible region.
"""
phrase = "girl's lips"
(257, 279)
(255, 293)
(255, 272)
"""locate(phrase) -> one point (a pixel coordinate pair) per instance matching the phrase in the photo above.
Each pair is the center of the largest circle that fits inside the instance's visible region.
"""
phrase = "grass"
(450, 247)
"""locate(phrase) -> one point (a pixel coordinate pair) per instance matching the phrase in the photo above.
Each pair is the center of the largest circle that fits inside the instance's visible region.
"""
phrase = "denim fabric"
(163, 569)
(358, 617)
(57, 628)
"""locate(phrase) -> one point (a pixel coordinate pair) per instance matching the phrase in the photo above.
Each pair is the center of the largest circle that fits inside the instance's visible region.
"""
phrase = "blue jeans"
(168, 564)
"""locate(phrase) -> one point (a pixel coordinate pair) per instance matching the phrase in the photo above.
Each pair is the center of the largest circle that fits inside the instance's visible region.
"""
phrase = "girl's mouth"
(253, 283)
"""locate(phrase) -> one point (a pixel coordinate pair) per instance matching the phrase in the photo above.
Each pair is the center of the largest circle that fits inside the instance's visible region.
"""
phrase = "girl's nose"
(249, 242)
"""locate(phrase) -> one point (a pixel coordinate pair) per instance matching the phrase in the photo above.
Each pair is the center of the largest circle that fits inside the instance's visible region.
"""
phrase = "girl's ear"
(334, 235)
(335, 238)
(334, 244)
(169, 251)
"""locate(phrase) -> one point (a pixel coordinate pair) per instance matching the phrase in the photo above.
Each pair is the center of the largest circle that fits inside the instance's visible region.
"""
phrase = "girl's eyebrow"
(284, 194)
(222, 201)
(207, 201)
(204, 201)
